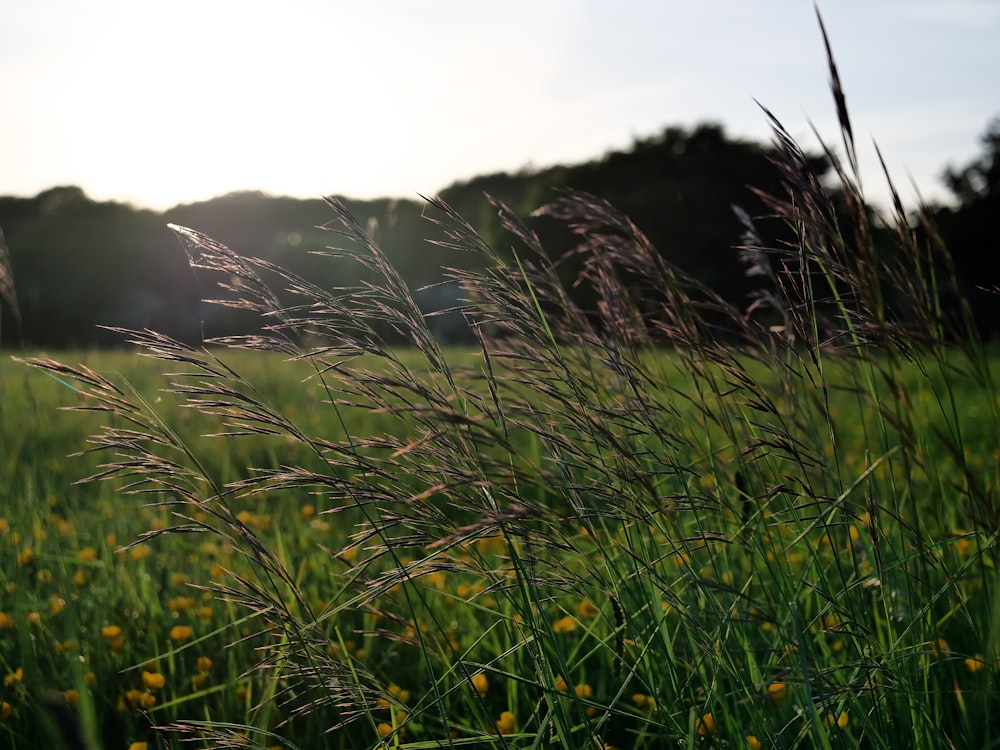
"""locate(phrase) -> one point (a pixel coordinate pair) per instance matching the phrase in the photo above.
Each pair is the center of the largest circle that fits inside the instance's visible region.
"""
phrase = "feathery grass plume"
(662, 520)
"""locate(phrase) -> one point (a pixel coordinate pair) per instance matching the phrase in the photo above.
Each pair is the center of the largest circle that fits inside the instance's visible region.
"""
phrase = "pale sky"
(158, 103)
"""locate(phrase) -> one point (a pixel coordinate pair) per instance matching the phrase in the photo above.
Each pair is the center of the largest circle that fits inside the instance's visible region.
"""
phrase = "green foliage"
(656, 520)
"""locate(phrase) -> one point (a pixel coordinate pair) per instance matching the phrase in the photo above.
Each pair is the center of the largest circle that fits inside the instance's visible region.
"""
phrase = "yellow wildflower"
(975, 663)
(643, 701)
(111, 632)
(14, 677)
(839, 721)
(777, 691)
(480, 683)
(5, 710)
(752, 742)
(181, 633)
(706, 725)
(153, 680)
(564, 625)
(403, 696)
(587, 608)
(507, 722)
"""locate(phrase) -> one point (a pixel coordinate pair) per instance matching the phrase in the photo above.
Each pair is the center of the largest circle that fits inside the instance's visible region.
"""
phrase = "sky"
(158, 103)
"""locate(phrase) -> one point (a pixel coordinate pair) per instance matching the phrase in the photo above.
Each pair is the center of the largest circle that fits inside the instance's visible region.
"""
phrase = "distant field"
(135, 635)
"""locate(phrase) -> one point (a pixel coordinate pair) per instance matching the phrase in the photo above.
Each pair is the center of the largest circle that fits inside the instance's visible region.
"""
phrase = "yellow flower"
(180, 603)
(204, 664)
(940, 648)
(752, 742)
(137, 746)
(87, 553)
(643, 701)
(72, 696)
(975, 663)
(6, 621)
(561, 685)
(403, 696)
(480, 683)
(583, 691)
(706, 725)
(507, 723)
(5, 710)
(14, 677)
(586, 608)
(34, 618)
(181, 633)
(384, 730)
(839, 721)
(153, 680)
(564, 625)
(111, 632)
(777, 691)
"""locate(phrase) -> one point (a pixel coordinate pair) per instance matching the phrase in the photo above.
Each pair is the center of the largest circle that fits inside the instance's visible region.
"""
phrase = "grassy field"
(650, 520)
(866, 611)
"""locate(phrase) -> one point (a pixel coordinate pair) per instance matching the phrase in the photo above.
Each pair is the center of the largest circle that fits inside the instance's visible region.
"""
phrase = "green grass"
(771, 625)
(658, 522)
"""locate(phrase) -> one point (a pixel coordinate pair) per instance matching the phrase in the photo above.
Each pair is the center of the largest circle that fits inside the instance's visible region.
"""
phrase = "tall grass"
(779, 534)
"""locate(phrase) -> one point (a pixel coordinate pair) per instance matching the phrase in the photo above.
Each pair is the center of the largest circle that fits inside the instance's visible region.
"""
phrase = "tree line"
(75, 265)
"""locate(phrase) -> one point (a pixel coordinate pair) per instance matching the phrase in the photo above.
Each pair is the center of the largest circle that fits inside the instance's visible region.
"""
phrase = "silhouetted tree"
(969, 230)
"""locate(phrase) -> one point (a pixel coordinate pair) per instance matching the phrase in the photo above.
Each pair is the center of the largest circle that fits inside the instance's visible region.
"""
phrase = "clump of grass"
(661, 521)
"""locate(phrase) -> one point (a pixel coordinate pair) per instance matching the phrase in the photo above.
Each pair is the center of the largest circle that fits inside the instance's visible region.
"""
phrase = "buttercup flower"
(507, 722)
(706, 725)
(480, 683)
(181, 633)
(564, 625)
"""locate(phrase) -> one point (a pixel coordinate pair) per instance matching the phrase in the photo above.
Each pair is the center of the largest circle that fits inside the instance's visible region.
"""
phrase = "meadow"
(657, 521)
(834, 622)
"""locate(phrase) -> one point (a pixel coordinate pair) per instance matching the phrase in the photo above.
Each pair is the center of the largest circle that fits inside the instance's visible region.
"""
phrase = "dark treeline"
(78, 264)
